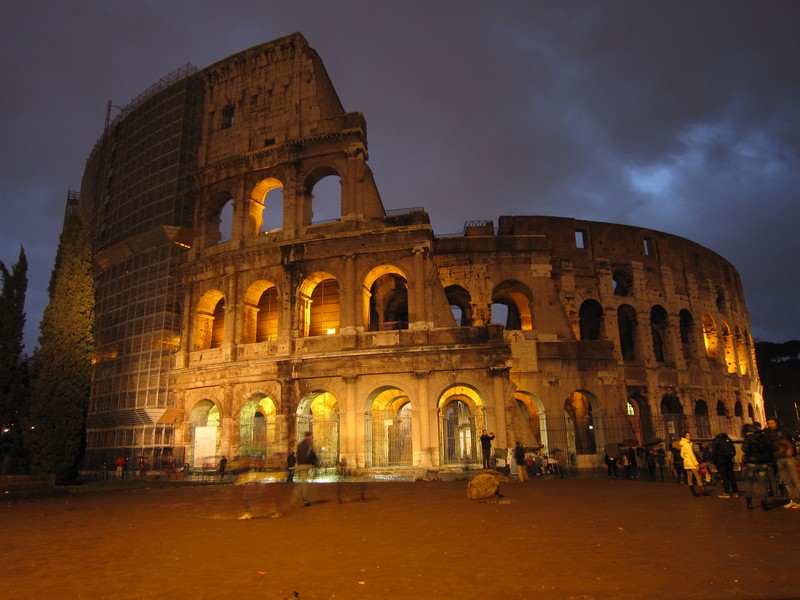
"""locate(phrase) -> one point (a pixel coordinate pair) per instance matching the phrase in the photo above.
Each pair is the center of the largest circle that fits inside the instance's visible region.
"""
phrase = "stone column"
(421, 442)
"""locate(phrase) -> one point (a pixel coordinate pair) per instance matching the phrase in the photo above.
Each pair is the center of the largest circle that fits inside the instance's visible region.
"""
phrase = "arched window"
(388, 303)
(626, 323)
(325, 309)
(591, 320)
(622, 281)
(658, 329)
(460, 303)
(516, 298)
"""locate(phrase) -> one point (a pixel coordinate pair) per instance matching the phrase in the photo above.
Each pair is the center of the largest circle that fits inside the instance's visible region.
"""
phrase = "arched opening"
(325, 190)
(319, 305)
(590, 318)
(318, 413)
(702, 422)
(266, 206)
(626, 324)
(580, 424)
(260, 319)
(622, 281)
(258, 435)
(204, 421)
(461, 417)
(529, 424)
(516, 298)
(388, 303)
(741, 351)
(388, 429)
(686, 331)
(710, 336)
(658, 330)
(672, 414)
(730, 351)
(209, 325)
(460, 303)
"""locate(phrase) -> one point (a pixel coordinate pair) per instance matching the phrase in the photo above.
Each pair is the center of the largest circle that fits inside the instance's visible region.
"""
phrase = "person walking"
(722, 455)
(486, 448)
(519, 458)
(757, 450)
(306, 459)
(786, 459)
(223, 463)
(291, 462)
(691, 465)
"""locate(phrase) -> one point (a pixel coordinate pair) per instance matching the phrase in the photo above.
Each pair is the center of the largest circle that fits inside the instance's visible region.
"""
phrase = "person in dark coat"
(723, 453)
(519, 458)
(291, 462)
(486, 449)
(758, 457)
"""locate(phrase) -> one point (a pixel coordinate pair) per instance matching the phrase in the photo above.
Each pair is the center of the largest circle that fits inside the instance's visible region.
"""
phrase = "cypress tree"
(13, 366)
(61, 371)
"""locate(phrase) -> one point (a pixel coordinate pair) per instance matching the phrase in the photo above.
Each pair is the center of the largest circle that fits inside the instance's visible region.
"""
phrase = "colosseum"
(251, 286)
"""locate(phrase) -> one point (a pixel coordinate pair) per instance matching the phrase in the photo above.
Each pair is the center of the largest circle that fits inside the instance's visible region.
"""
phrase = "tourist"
(291, 461)
(519, 458)
(306, 459)
(691, 465)
(486, 448)
(758, 460)
(773, 433)
(722, 455)
(223, 463)
(786, 459)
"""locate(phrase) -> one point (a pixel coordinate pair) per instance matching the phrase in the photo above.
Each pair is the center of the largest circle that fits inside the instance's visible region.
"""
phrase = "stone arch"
(658, 330)
(579, 420)
(388, 441)
(517, 299)
(258, 431)
(686, 332)
(461, 418)
(722, 410)
(701, 419)
(217, 218)
(323, 189)
(460, 303)
(318, 412)
(741, 351)
(530, 424)
(710, 336)
(622, 281)
(640, 418)
(319, 305)
(626, 324)
(266, 208)
(385, 298)
(209, 323)
(590, 317)
(261, 312)
(728, 347)
(672, 414)
(205, 424)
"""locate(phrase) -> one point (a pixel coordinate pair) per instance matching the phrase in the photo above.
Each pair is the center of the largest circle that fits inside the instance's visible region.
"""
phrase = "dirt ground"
(577, 538)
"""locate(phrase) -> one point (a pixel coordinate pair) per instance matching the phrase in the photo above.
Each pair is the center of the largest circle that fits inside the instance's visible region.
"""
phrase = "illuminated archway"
(258, 435)
(266, 206)
(318, 412)
(204, 421)
(579, 424)
(209, 324)
(461, 417)
(388, 428)
(320, 308)
(261, 311)
(516, 298)
(529, 423)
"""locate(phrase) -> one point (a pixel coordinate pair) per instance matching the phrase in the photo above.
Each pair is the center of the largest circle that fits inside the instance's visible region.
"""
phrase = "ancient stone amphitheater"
(252, 286)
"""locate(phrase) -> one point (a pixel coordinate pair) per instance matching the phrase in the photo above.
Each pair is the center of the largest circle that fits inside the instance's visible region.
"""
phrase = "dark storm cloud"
(682, 117)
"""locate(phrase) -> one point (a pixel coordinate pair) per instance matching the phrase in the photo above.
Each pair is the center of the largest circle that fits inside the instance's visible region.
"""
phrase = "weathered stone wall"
(348, 327)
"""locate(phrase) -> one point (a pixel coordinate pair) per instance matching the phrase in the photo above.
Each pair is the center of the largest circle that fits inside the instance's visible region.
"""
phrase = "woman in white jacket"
(691, 464)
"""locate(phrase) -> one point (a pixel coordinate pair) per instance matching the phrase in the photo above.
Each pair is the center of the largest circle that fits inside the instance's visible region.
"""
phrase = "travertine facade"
(230, 321)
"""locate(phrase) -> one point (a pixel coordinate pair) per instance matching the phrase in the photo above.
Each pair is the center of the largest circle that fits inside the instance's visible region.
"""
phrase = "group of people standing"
(769, 460)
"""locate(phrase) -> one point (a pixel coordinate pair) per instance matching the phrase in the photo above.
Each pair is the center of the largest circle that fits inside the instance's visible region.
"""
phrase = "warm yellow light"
(331, 331)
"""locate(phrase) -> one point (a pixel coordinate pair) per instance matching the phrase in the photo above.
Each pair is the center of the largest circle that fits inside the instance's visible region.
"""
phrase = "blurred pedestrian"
(291, 461)
(223, 463)
(722, 455)
(786, 458)
(758, 460)
(519, 458)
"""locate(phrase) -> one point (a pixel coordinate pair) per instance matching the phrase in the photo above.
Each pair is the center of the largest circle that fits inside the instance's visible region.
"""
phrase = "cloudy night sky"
(682, 117)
